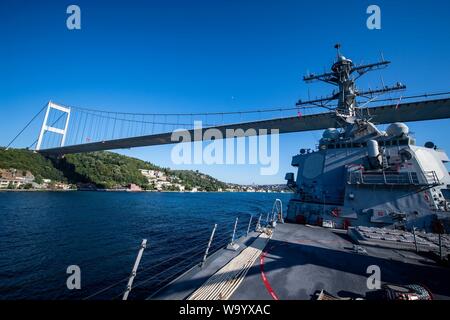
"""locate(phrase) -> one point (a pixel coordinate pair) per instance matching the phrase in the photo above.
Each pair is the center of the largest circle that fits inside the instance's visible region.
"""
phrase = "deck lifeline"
(183, 286)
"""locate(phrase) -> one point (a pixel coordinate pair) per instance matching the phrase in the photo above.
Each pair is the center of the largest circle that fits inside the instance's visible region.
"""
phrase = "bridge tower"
(46, 127)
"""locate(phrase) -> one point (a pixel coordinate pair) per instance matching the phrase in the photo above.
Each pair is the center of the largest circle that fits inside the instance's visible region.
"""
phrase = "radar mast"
(343, 75)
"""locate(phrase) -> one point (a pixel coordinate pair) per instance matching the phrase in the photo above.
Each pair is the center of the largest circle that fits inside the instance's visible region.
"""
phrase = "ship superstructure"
(361, 175)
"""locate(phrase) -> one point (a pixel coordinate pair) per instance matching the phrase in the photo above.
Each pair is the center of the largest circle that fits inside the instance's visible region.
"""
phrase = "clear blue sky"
(192, 56)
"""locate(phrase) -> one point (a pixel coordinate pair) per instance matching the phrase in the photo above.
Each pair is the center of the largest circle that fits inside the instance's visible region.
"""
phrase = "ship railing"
(397, 178)
(159, 272)
(277, 211)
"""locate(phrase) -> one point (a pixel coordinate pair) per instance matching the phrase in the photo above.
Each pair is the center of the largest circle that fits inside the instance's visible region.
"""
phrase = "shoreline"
(128, 191)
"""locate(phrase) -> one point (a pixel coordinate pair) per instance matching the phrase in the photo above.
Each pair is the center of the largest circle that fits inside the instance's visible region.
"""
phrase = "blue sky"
(195, 56)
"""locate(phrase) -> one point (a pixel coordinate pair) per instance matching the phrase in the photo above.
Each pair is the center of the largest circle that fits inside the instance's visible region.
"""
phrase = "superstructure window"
(446, 194)
(403, 142)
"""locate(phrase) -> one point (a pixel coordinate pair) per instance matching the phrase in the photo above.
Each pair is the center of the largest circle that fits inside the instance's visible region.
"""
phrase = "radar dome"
(397, 129)
(330, 134)
(429, 145)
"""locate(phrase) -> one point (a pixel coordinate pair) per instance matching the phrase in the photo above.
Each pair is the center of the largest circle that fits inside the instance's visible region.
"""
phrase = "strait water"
(42, 233)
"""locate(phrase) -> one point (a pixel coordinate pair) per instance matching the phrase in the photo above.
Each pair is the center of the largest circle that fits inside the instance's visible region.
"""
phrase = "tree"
(28, 186)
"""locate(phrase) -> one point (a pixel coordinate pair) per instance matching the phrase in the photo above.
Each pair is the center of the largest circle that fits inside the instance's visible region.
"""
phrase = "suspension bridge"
(70, 129)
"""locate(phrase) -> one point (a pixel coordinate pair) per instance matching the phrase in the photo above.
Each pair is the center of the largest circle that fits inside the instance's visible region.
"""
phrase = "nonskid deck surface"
(182, 287)
(299, 261)
(224, 282)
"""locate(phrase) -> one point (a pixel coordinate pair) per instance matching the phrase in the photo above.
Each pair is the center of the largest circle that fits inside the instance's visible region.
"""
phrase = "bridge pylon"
(46, 127)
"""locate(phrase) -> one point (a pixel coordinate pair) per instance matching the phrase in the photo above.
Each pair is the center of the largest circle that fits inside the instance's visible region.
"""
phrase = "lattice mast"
(343, 75)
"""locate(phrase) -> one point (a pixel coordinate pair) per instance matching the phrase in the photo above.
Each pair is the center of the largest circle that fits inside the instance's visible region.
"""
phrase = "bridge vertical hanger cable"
(127, 122)
(90, 131)
(106, 134)
(121, 128)
(79, 121)
(84, 129)
(69, 135)
(128, 127)
(98, 127)
(124, 126)
(104, 126)
(153, 124)
(108, 123)
(103, 120)
(94, 127)
(114, 127)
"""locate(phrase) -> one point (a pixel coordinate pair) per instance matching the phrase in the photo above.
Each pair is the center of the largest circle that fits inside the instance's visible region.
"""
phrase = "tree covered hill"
(39, 166)
(104, 169)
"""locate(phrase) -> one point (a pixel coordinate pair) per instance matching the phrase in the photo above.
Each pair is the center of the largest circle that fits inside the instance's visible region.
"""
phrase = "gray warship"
(360, 175)
(364, 199)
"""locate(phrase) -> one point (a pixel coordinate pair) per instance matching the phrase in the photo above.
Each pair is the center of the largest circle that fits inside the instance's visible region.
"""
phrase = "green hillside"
(104, 169)
(38, 165)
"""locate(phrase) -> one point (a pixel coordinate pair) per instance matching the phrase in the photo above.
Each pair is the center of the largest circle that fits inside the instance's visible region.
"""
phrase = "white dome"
(330, 134)
(397, 129)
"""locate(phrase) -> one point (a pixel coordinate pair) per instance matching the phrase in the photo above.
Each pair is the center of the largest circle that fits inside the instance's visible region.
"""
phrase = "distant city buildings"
(24, 179)
(159, 181)
(133, 187)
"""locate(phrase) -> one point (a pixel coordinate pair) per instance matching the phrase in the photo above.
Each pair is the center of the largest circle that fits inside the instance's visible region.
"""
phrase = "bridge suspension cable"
(26, 126)
(88, 125)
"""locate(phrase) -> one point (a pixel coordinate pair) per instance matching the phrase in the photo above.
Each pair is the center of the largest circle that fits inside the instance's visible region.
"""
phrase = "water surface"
(41, 233)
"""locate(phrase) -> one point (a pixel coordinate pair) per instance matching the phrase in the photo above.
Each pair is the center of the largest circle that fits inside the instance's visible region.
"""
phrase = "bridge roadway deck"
(405, 112)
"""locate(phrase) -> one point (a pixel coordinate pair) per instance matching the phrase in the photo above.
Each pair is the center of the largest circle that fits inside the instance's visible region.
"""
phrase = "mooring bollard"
(249, 223)
(135, 267)
(209, 245)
